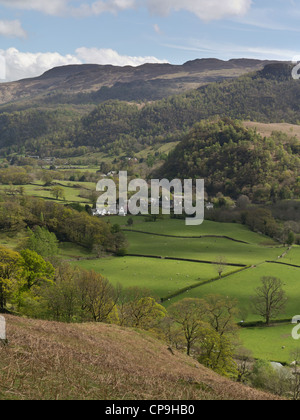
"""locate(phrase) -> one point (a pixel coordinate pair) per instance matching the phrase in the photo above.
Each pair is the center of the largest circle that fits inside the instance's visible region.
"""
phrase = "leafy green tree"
(130, 222)
(216, 351)
(62, 296)
(58, 192)
(137, 308)
(35, 270)
(43, 242)
(10, 279)
(290, 238)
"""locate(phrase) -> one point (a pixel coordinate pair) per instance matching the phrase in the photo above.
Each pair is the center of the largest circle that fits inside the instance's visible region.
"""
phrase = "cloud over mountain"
(21, 65)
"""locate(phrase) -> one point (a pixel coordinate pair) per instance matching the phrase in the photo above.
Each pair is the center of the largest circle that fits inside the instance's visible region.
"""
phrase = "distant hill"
(96, 83)
(117, 127)
(54, 361)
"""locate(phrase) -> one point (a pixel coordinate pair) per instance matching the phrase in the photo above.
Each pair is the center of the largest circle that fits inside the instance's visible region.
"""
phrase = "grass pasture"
(71, 191)
(163, 277)
(241, 286)
(208, 242)
(175, 227)
(204, 249)
(274, 343)
(293, 256)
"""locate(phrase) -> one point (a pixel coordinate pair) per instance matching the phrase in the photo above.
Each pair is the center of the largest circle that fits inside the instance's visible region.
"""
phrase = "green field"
(205, 249)
(274, 343)
(71, 192)
(293, 257)
(172, 280)
(176, 227)
(166, 277)
(241, 286)
(160, 276)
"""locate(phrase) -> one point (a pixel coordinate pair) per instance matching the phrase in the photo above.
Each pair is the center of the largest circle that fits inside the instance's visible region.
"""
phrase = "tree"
(244, 360)
(62, 295)
(43, 242)
(243, 202)
(220, 265)
(35, 270)
(47, 178)
(9, 275)
(58, 192)
(295, 379)
(221, 314)
(146, 312)
(290, 238)
(270, 298)
(189, 313)
(130, 222)
(215, 351)
(137, 308)
(97, 296)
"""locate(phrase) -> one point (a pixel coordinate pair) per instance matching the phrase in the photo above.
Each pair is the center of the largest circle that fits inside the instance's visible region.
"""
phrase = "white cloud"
(12, 28)
(109, 56)
(100, 6)
(157, 29)
(205, 9)
(226, 51)
(53, 7)
(68, 7)
(21, 65)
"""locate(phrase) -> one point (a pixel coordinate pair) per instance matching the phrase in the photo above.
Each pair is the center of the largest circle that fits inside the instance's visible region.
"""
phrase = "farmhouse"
(209, 206)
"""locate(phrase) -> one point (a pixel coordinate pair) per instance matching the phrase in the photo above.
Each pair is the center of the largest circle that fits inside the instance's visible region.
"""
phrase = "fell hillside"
(115, 127)
(96, 83)
(267, 96)
(52, 361)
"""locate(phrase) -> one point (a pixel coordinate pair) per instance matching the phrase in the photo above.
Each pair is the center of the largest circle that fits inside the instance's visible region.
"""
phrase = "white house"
(209, 206)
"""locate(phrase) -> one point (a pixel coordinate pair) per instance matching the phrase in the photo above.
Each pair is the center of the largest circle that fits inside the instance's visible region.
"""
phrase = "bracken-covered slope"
(47, 360)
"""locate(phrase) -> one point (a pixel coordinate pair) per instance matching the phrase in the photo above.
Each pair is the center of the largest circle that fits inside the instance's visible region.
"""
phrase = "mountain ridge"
(166, 78)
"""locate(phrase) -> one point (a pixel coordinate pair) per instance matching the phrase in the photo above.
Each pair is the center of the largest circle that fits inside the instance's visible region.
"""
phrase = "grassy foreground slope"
(46, 360)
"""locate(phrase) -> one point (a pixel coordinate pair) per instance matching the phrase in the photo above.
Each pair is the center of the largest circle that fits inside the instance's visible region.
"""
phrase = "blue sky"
(37, 35)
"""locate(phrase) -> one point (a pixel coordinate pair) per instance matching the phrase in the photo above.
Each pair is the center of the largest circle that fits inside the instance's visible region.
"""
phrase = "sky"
(37, 35)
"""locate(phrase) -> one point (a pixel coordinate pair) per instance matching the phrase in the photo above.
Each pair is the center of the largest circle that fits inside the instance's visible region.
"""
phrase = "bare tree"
(270, 298)
(221, 313)
(244, 360)
(220, 265)
(295, 380)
